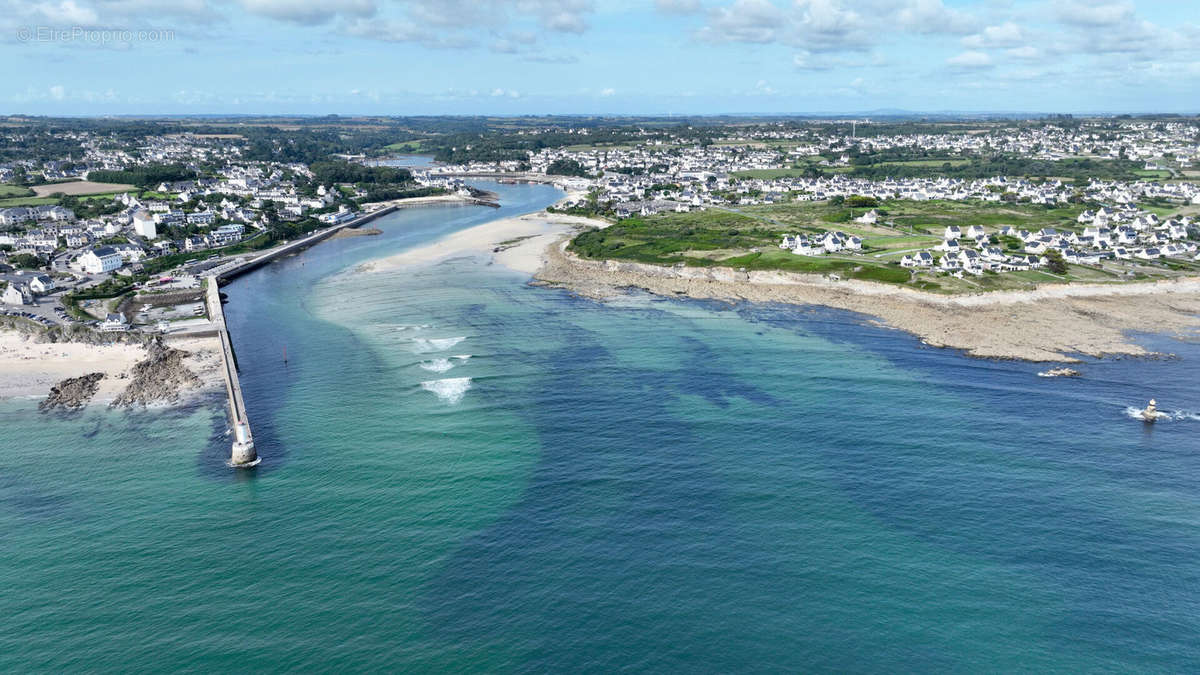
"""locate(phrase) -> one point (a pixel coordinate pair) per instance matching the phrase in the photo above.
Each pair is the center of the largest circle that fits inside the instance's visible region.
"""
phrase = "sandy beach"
(522, 243)
(28, 369)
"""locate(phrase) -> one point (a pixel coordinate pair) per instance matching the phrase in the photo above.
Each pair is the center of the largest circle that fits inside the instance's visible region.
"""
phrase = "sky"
(508, 57)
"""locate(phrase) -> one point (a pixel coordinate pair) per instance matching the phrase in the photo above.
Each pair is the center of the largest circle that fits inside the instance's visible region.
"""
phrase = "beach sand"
(524, 243)
(28, 369)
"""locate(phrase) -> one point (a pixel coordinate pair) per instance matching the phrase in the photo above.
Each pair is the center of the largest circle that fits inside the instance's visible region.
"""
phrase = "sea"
(462, 472)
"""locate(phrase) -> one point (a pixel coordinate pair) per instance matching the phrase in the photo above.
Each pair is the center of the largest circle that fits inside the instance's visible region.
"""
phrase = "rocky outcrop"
(160, 377)
(72, 393)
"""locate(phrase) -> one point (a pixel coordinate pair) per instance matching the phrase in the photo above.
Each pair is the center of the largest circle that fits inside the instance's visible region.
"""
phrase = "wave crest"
(426, 345)
(451, 390)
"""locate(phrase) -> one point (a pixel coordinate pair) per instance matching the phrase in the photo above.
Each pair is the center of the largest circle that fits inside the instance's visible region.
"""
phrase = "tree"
(25, 260)
(1055, 262)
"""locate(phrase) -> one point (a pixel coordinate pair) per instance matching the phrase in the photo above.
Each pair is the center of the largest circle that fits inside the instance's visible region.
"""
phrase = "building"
(41, 284)
(100, 260)
(144, 225)
(113, 323)
(14, 295)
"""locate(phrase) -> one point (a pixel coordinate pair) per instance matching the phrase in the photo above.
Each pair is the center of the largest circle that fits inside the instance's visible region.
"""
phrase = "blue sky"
(83, 57)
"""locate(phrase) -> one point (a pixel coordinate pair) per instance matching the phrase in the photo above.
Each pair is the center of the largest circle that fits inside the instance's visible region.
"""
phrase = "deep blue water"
(464, 472)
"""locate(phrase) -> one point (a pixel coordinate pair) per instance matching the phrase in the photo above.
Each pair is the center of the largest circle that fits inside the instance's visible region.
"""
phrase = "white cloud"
(816, 25)
(403, 30)
(678, 6)
(1007, 34)
(309, 13)
(762, 87)
(970, 60)
(608, 92)
(66, 13)
(833, 25)
(1085, 13)
(57, 92)
(932, 16)
(1025, 53)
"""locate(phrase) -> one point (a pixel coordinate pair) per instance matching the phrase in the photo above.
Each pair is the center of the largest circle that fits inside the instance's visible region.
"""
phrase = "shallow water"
(646, 484)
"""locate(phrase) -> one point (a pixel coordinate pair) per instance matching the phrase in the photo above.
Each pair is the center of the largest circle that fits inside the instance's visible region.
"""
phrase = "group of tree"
(145, 175)
(338, 171)
(566, 167)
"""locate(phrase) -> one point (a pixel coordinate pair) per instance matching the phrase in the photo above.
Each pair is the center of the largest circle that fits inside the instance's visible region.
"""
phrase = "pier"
(242, 453)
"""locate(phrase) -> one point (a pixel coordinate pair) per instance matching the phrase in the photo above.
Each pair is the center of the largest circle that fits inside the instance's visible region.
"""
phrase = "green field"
(714, 237)
(748, 237)
(1152, 174)
(416, 145)
(27, 201)
(8, 191)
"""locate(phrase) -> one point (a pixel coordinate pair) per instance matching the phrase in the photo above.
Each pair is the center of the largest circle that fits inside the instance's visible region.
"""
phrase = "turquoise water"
(648, 485)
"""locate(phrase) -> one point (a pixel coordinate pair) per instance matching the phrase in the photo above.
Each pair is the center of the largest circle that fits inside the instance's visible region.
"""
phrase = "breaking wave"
(450, 390)
(426, 345)
(437, 365)
(1164, 415)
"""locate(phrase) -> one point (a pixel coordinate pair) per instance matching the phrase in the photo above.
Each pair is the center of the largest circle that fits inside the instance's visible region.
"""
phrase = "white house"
(869, 218)
(14, 295)
(41, 284)
(100, 260)
(144, 225)
(113, 323)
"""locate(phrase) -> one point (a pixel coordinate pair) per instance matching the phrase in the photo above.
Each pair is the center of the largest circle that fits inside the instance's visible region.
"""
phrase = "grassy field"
(1152, 174)
(416, 145)
(749, 237)
(8, 191)
(708, 238)
(27, 201)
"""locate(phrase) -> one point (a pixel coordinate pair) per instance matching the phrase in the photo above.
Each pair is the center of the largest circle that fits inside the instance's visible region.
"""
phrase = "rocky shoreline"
(159, 378)
(79, 367)
(1051, 324)
(72, 393)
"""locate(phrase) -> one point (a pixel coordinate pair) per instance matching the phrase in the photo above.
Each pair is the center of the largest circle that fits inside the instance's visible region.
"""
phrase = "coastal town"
(115, 219)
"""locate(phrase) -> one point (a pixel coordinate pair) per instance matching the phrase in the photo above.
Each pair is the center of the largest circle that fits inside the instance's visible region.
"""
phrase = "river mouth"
(678, 484)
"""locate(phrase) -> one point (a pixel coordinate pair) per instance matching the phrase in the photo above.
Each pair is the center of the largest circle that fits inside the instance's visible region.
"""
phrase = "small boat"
(1151, 413)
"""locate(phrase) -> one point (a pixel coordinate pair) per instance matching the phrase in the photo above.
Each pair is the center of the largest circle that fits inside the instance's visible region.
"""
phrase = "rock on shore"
(160, 377)
(72, 393)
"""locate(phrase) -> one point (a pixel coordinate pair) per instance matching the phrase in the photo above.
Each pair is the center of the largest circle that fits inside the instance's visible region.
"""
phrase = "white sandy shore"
(522, 242)
(423, 201)
(29, 369)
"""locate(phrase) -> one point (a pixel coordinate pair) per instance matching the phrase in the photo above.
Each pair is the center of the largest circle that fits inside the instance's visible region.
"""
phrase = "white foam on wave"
(417, 326)
(461, 357)
(437, 365)
(1164, 415)
(451, 390)
(426, 345)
